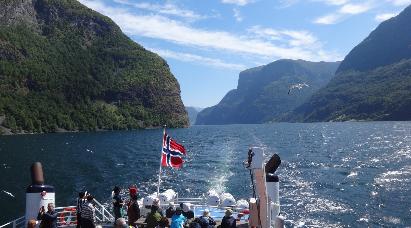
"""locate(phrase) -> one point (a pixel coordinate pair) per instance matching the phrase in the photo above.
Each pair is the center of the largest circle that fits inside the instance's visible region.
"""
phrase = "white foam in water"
(353, 174)
(394, 180)
(392, 220)
(223, 173)
(363, 220)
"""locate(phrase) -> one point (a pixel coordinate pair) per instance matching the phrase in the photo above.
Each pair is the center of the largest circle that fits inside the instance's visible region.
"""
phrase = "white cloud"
(287, 3)
(160, 27)
(328, 19)
(237, 15)
(187, 57)
(384, 16)
(165, 9)
(355, 8)
(237, 2)
(346, 8)
(294, 38)
(400, 2)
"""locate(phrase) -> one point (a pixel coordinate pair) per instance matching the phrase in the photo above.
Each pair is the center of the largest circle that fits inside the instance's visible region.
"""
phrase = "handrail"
(102, 215)
(19, 222)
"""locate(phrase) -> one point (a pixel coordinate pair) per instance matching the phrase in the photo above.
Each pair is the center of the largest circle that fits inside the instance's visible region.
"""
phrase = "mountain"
(372, 83)
(192, 114)
(66, 67)
(263, 92)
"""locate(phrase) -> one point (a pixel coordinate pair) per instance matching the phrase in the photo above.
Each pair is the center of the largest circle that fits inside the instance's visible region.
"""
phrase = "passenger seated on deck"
(120, 223)
(31, 223)
(187, 212)
(156, 203)
(170, 210)
(178, 220)
(228, 220)
(206, 221)
(153, 218)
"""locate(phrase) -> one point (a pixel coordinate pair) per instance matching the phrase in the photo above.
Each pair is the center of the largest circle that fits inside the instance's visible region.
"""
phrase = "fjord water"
(332, 175)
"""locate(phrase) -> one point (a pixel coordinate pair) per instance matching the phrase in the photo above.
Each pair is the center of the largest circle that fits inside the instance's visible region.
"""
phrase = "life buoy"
(68, 211)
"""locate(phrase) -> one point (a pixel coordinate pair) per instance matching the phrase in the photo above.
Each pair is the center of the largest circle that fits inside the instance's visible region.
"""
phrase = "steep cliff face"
(65, 66)
(17, 12)
(372, 83)
(389, 43)
(263, 93)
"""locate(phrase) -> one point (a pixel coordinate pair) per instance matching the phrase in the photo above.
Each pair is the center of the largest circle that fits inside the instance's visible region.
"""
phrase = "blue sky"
(207, 43)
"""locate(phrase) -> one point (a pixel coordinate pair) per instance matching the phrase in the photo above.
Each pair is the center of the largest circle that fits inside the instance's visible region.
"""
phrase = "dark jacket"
(228, 222)
(48, 219)
(170, 212)
(189, 214)
(117, 204)
(133, 212)
(206, 222)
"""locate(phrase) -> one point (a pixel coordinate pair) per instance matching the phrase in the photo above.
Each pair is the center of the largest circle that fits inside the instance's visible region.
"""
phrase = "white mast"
(161, 157)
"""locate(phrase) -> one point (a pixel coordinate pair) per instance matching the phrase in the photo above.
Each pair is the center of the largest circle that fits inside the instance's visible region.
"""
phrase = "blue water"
(332, 175)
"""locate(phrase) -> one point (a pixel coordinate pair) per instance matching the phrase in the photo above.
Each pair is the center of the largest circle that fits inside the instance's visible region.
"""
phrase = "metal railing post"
(102, 212)
(14, 224)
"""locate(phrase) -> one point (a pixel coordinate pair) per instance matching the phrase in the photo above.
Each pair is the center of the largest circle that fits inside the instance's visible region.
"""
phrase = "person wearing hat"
(133, 210)
(170, 210)
(228, 220)
(178, 219)
(206, 221)
(156, 203)
(153, 218)
(187, 212)
(117, 203)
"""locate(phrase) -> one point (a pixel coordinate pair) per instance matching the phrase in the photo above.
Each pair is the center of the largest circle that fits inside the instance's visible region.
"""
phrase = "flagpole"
(161, 158)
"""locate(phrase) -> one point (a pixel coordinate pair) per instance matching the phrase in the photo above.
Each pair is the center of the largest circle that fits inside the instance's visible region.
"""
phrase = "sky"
(207, 43)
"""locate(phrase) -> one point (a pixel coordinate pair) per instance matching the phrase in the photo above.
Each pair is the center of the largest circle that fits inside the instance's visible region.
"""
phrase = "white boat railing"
(67, 217)
(17, 223)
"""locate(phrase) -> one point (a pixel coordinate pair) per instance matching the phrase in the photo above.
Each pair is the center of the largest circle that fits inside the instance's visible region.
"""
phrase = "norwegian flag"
(172, 152)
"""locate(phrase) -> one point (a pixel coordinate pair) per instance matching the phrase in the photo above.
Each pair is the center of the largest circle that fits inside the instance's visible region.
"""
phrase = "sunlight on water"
(332, 174)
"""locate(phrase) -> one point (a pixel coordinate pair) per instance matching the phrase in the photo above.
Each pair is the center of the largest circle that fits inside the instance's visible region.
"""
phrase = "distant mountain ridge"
(372, 83)
(262, 94)
(64, 66)
(192, 114)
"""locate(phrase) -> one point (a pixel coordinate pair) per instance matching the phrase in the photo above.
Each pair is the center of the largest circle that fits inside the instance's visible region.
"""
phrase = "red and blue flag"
(173, 152)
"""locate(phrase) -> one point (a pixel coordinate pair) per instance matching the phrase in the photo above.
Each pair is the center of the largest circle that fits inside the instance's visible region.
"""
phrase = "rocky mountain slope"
(266, 93)
(64, 66)
(372, 83)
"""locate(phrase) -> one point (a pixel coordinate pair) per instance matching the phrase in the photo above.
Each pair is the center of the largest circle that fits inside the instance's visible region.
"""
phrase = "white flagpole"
(161, 158)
